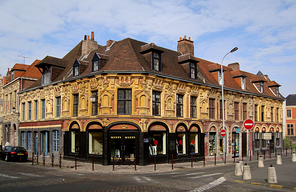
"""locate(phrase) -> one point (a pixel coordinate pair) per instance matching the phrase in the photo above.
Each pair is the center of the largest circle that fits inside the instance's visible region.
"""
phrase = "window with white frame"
(23, 139)
(193, 70)
(157, 140)
(290, 129)
(95, 142)
(55, 141)
(74, 141)
(243, 83)
(30, 142)
(156, 61)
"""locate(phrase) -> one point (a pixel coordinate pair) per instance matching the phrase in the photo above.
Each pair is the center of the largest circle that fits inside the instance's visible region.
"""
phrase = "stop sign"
(223, 132)
(249, 124)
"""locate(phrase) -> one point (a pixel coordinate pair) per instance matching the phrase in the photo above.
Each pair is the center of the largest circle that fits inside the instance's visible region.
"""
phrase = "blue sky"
(264, 31)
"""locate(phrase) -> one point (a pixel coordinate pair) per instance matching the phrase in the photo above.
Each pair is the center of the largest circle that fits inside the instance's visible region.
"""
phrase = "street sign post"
(223, 132)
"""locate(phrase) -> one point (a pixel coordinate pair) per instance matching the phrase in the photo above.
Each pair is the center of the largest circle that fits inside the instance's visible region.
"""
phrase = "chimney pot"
(180, 38)
(88, 37)
(189, 38)
(184, 36)
(85, 37)
(92, 35)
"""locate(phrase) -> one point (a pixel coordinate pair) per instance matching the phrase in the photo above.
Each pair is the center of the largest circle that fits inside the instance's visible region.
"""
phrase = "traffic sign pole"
(248, 124)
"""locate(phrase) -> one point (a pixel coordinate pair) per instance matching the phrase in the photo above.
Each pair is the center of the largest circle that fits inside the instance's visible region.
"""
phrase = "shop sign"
(266, 136)
(146, 140)
(237, 130)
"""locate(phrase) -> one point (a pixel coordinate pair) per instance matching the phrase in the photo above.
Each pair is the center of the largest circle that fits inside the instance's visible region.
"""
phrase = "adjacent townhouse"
(132, 101)
(291, 115)
(20, 77)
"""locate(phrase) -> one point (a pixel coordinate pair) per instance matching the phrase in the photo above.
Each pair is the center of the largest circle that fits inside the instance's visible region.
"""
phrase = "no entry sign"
(249, 124)
(223, 132)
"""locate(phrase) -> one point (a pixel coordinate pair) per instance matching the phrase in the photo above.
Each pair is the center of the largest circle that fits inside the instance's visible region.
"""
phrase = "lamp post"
(223, 113)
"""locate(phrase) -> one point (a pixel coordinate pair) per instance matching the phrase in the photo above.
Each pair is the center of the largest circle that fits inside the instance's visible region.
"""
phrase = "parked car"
(11, 153)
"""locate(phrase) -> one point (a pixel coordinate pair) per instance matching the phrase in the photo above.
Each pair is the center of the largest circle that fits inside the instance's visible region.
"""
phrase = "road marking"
(31, 175)
(7, 176)
(189, 174)
(209, 186)
(208, 175)
(143, 179)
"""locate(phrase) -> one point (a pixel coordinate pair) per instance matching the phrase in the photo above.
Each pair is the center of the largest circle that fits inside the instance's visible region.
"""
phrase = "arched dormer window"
(76, 68)
(95, 62)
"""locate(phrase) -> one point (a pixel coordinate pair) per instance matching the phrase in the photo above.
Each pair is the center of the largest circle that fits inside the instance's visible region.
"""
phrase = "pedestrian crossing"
(18, 175)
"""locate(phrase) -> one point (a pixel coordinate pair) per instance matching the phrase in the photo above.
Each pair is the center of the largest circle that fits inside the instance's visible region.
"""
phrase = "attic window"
(277, 91)
(261, 87)
(220, 77)
(76, 68)
(12, 75)
(243, 83)
(95, 63)
(156, 61)
(192, 70)
(46, 76)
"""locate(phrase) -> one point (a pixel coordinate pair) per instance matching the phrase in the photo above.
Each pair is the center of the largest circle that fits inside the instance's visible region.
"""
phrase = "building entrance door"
(123, 147)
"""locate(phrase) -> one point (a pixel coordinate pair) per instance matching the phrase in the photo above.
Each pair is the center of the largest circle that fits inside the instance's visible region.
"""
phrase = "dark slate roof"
(291, 100)
(128, 55)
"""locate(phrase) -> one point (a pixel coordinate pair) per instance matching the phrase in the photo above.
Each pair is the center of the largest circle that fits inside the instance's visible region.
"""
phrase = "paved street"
(16, 176)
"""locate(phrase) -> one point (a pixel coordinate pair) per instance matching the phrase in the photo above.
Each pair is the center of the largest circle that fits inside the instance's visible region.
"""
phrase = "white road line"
(7, 176)
(208, 175)
(31, 175)
(209, 186)
(188, 174)
(137, 179)
(147, 178)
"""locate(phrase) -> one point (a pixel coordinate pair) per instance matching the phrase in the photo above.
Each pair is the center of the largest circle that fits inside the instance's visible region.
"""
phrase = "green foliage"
(287, 143)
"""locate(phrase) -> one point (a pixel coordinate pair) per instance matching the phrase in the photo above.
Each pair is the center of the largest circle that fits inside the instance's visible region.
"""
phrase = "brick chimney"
(234, 66)
(185, 46)
(89, 45)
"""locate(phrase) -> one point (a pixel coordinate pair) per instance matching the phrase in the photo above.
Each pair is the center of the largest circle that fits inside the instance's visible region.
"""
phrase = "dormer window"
(243, 83)
(76, 68)
(192, 70)
(156, 61)
(220, 77)
(95, 62)
(12, 75)
(261, 87)
(277, 91)
(46, 76)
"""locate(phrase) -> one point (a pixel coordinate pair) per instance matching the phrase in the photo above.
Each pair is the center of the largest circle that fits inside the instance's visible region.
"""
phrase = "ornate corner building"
(132, 100)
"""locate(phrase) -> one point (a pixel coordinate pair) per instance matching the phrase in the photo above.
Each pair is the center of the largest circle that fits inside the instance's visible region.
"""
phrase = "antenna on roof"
(24, 58)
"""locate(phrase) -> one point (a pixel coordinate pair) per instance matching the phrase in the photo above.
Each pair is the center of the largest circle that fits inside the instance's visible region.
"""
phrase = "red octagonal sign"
(223, 132)
(249, 124)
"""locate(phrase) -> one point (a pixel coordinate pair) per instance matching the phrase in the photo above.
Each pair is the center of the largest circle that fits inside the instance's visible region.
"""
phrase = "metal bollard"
(242, 155)
(33, 158)
(191, 160)
(92, 161)
(75, 162)
(172, 162)
(154, 162)
(204, 161)
(113, 163)
(52, 160)
(257, 155)
(37, 158)
(135, 162)
(60, 160)
(43, 159)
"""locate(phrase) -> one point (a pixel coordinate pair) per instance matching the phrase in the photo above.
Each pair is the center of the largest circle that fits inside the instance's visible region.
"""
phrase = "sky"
(264, 30)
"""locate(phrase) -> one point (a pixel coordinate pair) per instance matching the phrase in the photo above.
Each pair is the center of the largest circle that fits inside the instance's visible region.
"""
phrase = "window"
(193, 70)
(219, 77)
(245, 113)
(243, 83)
(271, 114)
(23, 107)
(12, 75)
(277, 138)
(36, 109)
(46, 76)
(55, 141)
(221, 110)
(95, 143)
(261, 87)
(193, 139)
(23, 137)
(181, 143)
(157, 142)
(124, 101)
(277, 91)
(42, 108)
(277, 114)
(94, 105)
(264, 142)
(256, 112)
(193, 110)
(74, 141)
(58, 106)
(257, 139)
(156, 61)
(156, 103)
(236, 110)
(262, 113)
(212, 108)
(29, 110)
(179, 105)
(75, 105)
(289, 113)
(212, 143)
(290, 129)
(30, 141)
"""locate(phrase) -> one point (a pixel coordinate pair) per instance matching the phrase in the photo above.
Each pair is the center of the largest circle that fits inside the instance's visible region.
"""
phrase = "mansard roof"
(291, 100)
(132, 56)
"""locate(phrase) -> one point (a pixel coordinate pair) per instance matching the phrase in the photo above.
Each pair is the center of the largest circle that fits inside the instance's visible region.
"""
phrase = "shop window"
(157, 142)
(74, 141)
(181, 143)
(30, 140)
(95, 143)
(235, 144)
(257, 139)
(221, 140)
(23, 139)
(212, 143)
(193, 139)
(264, 142)
(277, 138)
(55, 141)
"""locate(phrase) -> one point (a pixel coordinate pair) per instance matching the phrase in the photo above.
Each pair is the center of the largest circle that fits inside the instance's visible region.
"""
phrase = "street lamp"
(223, 113)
